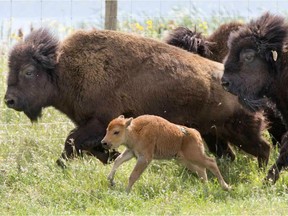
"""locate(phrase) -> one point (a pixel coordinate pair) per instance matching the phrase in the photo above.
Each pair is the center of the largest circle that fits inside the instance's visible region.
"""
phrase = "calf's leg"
(211, 165)
(200, 171)
(193, 152)
(125, 156)
(141, 165)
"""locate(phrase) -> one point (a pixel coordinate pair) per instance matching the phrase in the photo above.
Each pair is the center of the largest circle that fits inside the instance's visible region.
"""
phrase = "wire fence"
(72, 14)
(149, 17)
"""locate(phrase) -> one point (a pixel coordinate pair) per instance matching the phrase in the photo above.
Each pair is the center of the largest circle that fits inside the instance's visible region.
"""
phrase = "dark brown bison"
(97, 75)
(256, 70)
(215, 48)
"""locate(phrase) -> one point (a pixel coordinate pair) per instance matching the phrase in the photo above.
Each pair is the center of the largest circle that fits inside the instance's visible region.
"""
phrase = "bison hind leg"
(219, 147)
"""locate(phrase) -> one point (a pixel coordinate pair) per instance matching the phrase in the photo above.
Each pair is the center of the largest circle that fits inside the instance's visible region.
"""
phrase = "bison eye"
(28, 73)
(248, 55)
(116, 132)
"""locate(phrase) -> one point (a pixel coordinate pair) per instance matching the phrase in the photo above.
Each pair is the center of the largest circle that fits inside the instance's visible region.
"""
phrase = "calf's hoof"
(112, 183)
(227, 187)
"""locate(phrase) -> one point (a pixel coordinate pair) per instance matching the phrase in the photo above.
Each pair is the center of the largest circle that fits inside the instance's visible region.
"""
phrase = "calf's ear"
(121, 117)
(128, 122)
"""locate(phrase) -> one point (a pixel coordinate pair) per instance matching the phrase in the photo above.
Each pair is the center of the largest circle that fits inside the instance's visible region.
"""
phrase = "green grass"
(31, 183)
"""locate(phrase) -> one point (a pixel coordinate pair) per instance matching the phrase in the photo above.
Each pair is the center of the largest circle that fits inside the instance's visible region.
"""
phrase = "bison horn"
(275, 55)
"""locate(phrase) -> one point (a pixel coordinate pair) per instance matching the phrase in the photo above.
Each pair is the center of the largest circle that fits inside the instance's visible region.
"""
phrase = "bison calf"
(151, 137)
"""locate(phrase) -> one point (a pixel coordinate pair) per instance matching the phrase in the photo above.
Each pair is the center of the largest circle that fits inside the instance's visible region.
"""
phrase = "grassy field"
(31, 183)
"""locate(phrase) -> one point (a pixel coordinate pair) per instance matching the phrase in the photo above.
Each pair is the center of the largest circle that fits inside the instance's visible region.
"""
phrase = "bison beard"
(33, 114)
(97, 75)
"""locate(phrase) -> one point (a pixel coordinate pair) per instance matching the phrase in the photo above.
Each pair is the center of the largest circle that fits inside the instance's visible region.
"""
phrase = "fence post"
(111, 14)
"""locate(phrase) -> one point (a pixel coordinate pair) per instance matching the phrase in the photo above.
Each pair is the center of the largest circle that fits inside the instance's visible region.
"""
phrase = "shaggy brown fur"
(215, 48)
(256, 69)
(95, 75)
(150, 137)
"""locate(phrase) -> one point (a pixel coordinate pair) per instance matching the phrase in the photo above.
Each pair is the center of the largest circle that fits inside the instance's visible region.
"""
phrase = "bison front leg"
(219, 147)
(282, 161)
(244, 130)
(87, 138)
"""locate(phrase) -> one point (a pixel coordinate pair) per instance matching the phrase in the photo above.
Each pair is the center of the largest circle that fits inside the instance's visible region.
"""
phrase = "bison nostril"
(225, 83)
(10, 102)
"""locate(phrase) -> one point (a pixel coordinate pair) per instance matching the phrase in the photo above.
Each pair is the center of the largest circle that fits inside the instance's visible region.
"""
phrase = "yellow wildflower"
(149, 24)
(139, 27)
(203, 25)
(16, 37)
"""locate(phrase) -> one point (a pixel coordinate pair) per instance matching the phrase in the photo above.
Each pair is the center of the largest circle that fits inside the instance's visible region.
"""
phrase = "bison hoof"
(272, 176)
(113, 155)
(62, 163)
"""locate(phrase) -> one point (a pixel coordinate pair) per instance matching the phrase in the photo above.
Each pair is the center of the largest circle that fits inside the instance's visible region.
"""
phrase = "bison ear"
(47, 61)
(45, 47)
(121, 117)
(128, 122)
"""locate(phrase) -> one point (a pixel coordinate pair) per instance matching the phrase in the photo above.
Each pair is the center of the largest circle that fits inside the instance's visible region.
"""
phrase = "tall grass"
(31, 183)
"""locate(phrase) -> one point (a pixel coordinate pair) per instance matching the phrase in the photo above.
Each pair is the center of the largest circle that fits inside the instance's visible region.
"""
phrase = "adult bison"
(97, 75)
(256, 70)
(214, 47)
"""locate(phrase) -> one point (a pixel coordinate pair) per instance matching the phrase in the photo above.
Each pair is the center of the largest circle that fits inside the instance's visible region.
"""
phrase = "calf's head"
(32, 65)
(116, 132)
(254, 59)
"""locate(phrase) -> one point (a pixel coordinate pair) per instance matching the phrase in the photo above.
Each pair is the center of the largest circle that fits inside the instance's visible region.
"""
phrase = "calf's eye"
(116, 132)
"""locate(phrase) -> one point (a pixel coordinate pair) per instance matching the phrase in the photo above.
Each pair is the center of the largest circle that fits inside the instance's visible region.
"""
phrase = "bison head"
(32, 65)
(254, 59)
(189, 40)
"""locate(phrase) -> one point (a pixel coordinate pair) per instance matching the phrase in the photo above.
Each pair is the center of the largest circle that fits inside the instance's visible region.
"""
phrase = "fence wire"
(72, 14)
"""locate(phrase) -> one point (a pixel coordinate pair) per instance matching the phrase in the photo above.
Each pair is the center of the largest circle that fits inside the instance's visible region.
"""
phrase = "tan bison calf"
(150, 137)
